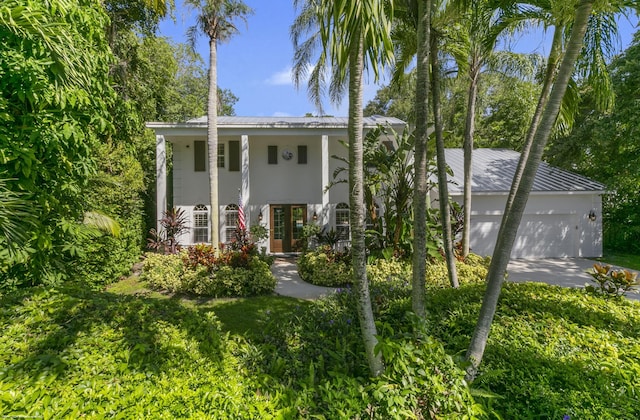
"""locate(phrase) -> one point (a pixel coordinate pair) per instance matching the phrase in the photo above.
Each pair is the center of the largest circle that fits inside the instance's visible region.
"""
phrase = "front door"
(287, 221)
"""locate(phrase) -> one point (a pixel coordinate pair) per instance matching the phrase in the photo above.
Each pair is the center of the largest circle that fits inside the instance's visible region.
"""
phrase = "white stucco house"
(281, 166)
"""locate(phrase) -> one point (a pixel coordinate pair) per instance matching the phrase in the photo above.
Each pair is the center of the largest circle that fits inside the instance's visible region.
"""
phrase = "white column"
(325, 179)
(161, 179)
(244, 150)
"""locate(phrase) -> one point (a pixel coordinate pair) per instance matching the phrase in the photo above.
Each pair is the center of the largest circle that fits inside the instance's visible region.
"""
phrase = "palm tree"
(215, 18)
(511, 223)
(349, 35)
(443, 191)
(420, 183)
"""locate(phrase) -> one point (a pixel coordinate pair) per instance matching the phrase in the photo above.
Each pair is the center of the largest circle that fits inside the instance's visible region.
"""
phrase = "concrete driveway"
(566, 272)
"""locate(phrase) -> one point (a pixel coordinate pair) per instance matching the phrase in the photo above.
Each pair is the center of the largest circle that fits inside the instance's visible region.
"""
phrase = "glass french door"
(287, 222)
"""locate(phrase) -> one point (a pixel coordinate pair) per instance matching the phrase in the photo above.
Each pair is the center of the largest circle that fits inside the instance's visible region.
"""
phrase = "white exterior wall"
(554, 225)
(286, 182)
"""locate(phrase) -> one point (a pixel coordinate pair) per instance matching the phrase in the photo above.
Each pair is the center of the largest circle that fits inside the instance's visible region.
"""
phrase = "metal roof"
(292, 122)
(493, 170)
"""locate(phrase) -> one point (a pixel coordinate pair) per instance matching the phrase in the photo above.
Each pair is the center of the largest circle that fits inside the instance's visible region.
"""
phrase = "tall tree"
(443, 189)
(511, 222)
(420, 183)
(216, 19)
(349, 35)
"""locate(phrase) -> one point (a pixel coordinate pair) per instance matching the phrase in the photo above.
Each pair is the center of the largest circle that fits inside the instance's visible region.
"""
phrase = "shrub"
(611, 283)
(198, 270)
(164, 272)
(420, 379)
(325, 267)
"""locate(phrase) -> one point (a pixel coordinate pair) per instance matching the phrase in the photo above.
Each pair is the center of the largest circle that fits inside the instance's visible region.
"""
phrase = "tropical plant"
(216, 20)
(174, 223)
(350, 35)
(611, 283)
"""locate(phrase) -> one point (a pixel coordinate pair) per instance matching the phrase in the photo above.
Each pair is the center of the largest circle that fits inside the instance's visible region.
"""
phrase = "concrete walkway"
(566, 272)
(290, 284)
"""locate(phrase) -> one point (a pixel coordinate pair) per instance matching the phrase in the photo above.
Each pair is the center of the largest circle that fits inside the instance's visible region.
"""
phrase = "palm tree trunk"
(212, 141)
(357, 206)
(474, 75)
(552, 67)
(510, 224)
(420, 184)
(443, 192)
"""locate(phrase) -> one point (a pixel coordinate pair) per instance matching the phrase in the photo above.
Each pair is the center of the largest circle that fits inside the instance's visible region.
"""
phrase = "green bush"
(325, 267)
(166, 272)
(207, 276)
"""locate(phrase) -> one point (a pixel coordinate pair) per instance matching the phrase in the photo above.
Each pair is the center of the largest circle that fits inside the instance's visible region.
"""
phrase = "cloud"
(281, 78)
(284, 77)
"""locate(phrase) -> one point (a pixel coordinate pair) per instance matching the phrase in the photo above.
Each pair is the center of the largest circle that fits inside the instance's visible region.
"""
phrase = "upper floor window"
(234, 155)
(220, 155)
(199, 155)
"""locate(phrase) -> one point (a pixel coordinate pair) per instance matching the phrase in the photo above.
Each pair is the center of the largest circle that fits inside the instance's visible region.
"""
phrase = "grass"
(621, 260)
(238, 316)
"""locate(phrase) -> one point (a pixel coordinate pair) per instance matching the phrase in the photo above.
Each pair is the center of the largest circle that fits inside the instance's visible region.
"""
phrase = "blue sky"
(256, 63)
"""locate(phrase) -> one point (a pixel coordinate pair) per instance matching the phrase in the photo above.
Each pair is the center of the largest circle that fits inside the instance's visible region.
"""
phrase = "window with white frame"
(230, 222)
(200, 224)
(342, 221)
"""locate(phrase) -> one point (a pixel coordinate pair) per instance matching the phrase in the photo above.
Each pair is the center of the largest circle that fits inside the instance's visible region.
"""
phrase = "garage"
(562, 218)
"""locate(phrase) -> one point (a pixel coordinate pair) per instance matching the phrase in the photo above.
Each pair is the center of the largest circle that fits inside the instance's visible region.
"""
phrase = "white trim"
(161, 179)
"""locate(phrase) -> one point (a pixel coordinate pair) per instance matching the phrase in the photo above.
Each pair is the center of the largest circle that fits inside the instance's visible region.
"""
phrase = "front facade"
(277, 169)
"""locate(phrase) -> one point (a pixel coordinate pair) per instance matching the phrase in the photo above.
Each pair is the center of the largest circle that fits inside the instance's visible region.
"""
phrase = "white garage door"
(539, 236)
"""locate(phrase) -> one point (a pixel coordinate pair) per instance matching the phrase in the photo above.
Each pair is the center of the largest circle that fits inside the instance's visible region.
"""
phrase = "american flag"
(241, 222)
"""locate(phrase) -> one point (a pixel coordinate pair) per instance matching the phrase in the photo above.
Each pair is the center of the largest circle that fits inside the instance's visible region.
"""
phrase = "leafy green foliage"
(553, 352)
(115, 190)
(325, 266)
(73, 353)
(611, 283)
(54, 103)
(202, 271)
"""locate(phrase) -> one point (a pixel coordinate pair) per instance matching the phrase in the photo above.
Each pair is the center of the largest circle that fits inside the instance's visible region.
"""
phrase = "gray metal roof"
(295, 122)
(493, 170)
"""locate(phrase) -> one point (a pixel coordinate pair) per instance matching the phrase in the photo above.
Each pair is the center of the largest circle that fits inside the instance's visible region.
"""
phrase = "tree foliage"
(54, 108)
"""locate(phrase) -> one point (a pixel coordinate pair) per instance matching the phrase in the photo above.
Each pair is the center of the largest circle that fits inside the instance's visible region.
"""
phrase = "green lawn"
(622, 260)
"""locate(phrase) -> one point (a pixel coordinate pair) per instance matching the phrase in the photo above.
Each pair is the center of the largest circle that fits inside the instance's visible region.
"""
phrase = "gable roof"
(493, 171)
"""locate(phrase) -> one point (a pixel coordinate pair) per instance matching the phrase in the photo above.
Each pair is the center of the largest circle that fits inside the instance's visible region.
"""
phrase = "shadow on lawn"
(128, 327)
